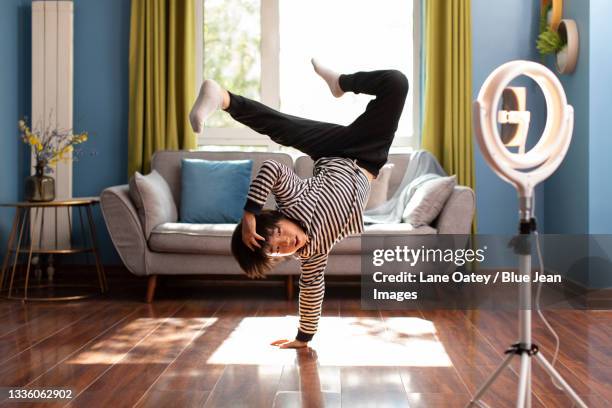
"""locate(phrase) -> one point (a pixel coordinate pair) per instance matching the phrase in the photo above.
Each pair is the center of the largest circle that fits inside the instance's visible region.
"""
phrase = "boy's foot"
(330, 76)
(209, 100)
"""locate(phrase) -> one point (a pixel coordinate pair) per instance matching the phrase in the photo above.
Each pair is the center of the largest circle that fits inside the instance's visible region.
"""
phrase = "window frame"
(270, 80)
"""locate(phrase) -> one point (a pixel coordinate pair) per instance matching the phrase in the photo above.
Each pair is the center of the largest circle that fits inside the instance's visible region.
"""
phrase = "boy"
(315, 213)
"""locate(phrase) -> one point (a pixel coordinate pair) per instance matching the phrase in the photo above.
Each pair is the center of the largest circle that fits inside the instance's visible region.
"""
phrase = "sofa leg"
(151, 288)
(289, 287)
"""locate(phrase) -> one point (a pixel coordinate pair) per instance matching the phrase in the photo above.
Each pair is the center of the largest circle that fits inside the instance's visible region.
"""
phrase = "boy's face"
(286, 239)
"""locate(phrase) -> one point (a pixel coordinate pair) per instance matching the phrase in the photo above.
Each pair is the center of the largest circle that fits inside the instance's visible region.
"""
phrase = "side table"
(21, 242)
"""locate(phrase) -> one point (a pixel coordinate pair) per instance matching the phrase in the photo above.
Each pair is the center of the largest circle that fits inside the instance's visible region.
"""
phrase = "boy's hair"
(258, 260)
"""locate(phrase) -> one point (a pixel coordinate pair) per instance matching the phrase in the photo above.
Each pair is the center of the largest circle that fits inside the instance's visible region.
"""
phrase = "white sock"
(330, 76)
(208, 101)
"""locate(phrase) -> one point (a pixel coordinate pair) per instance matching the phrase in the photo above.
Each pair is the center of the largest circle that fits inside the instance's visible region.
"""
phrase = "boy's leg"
(313, 138)
(371, 134)
(367, 139)
(390, 88)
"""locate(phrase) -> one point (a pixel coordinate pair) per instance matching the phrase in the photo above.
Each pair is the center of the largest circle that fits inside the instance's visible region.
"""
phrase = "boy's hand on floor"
(284, 343)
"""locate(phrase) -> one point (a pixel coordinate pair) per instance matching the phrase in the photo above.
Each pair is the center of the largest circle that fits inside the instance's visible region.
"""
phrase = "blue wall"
(600, 113)
(101, 51)
(9, 110)
(578, 196)
(567, 191)
(14, 104)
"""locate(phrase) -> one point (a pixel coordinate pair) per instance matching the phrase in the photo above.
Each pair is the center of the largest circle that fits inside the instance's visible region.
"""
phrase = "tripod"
(525, 349)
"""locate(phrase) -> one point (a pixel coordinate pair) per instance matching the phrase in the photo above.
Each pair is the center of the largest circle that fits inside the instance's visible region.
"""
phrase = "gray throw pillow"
(379, 187)
(153, 200)
(428, 200)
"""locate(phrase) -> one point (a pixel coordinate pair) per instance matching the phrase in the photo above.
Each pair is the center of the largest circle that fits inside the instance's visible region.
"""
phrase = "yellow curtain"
(447, 119)
(162, 79)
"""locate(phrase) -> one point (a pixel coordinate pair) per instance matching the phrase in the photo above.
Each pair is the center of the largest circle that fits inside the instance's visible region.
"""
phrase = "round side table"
(21, 241)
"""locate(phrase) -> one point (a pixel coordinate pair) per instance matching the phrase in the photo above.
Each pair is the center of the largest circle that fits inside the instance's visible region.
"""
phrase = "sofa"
(175, 248)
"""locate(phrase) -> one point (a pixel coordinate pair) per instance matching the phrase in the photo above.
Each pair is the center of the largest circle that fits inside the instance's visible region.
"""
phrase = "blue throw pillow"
(214, 191)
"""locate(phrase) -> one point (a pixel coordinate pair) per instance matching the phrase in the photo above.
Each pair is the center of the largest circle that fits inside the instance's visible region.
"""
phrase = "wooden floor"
(208, 347)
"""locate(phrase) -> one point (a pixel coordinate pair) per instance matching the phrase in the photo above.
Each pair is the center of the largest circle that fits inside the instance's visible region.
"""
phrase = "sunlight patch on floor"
(401, 341)
(158, 335)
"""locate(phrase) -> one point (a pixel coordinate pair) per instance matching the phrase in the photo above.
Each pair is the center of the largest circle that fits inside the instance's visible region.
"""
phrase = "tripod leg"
(523, 381)
(490, 381)
(551, 370)
(529, 394)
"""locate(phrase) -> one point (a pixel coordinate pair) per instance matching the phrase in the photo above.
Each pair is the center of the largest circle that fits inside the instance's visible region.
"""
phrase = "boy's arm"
(273, 177)
(312, 290)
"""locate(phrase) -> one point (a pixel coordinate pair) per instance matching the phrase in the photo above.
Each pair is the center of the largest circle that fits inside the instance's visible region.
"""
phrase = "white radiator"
(52, 85)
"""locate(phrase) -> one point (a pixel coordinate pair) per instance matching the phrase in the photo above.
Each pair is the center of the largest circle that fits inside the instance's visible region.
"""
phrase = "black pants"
(367, 139)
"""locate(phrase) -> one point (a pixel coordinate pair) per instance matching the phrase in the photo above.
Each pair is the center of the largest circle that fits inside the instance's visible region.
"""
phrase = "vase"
(562, 59)
(39, 187)
(567, 57)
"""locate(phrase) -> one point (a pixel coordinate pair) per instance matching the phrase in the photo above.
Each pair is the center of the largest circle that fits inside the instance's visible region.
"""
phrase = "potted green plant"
(549, 41)
(49, 146)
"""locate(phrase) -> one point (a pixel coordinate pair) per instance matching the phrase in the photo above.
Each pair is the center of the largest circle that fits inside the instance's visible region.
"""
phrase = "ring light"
(546, 156)
(524, 170)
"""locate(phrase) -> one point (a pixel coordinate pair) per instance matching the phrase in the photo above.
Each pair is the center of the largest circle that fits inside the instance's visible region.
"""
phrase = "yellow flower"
(81, 137)
(39, 146)
(34, 140)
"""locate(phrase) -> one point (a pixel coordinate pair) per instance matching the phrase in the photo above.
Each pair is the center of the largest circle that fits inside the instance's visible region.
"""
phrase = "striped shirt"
(328, 206)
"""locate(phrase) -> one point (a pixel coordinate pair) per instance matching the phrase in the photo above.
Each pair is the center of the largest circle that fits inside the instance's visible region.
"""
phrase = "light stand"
(538, 164)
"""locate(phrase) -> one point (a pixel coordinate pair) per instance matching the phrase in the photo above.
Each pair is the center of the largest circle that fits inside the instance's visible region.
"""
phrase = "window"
(262, 49)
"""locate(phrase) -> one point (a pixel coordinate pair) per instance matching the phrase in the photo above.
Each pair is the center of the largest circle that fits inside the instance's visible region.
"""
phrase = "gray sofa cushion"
(458, 212)
(153, 200)
(192, 238)
(214, 239)
(428, 200)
